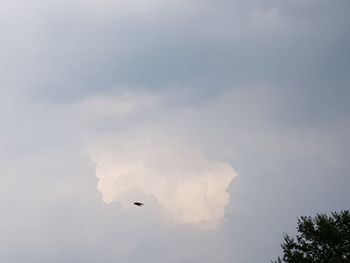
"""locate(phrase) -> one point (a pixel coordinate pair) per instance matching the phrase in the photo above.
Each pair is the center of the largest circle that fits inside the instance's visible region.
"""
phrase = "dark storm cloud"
(74, 49)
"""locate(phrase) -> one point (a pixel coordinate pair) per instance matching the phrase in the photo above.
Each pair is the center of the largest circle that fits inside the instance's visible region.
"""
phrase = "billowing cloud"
(187, 185)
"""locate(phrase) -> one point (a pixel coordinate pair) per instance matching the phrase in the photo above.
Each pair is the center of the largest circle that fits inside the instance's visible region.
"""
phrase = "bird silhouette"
(138, 204)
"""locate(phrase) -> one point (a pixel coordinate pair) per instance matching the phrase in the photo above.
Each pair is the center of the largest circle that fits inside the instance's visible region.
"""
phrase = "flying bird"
(138, 204)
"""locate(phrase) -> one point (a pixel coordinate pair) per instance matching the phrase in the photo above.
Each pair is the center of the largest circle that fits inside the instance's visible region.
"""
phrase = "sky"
(229, 119)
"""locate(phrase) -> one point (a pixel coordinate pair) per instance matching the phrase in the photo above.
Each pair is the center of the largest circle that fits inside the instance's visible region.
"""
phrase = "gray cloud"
(261, 86)
(92, 47)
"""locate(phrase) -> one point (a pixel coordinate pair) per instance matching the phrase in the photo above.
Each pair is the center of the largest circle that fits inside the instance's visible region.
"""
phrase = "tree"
(322, 239)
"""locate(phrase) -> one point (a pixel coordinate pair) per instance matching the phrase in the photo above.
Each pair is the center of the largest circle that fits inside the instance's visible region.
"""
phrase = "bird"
(138, 204)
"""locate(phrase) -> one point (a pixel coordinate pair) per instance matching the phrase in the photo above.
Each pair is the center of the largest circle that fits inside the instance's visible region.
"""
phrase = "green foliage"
(322, 239)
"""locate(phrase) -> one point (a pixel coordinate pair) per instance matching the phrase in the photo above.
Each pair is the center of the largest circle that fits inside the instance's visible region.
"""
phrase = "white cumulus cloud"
(188, 186)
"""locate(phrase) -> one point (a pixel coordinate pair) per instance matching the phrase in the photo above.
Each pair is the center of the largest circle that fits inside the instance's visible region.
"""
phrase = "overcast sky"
(228, 118)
